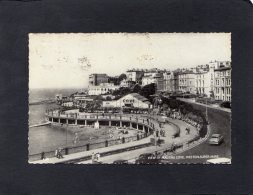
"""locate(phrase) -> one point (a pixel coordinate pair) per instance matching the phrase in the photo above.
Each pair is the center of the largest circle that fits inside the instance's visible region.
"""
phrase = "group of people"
(160, 132)
(95, 157)
(58, 153)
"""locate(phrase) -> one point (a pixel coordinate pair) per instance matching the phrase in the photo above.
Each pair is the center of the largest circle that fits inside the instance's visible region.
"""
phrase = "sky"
(65, 60)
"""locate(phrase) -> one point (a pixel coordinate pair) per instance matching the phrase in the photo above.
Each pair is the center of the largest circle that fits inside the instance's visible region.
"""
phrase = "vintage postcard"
(130, 98)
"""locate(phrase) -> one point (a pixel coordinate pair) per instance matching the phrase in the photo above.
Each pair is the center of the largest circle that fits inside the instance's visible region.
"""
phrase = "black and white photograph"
(130, 98)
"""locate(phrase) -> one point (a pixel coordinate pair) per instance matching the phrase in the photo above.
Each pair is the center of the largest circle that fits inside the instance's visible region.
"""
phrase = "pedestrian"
(173, 147)
(159, 142)
(42, 155)
(98, 157)
(56, 153)
(92, 157)
(60, 153)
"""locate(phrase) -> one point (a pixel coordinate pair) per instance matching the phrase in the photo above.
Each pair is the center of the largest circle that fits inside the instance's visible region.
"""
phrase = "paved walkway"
(134, 154)
(169, 139)
(79, 155)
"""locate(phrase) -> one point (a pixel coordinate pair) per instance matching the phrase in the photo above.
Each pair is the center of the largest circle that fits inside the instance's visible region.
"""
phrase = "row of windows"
(101, 89)
(199, 82)
(223, 91)
(201, 90)
(223, 73)
(223, 82)
(224, 98)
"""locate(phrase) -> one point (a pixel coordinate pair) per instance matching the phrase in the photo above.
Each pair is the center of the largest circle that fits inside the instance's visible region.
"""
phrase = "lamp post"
(66, 137)
(206, 111)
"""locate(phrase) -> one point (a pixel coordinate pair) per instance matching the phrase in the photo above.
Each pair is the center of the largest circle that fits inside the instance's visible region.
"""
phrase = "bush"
(225, 104)
(148, 90)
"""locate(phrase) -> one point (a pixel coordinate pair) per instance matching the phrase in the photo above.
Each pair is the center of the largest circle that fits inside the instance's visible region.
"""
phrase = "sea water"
(46, 138)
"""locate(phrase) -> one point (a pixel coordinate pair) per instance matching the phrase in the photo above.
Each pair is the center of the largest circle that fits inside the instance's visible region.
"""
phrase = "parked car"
(120, 162)
(146, 158)
(216, 139)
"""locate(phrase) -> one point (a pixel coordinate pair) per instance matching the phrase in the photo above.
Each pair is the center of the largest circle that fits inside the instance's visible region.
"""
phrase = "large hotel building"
(222, 85)
(211, 80)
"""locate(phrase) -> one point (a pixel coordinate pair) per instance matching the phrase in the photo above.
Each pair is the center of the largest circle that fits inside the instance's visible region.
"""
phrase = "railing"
(140, 119)
(87, 147)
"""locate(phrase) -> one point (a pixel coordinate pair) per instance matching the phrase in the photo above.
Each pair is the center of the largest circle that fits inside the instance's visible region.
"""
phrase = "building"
(146, 80)
(217, 64)
(135, 75)
(154, 76)
(187, 81)
(58, 97)
(159, 81)
(133, 100)
(103, 88)
(169, 81)
(222, 84)
(205, 82)
(175, 81)
(82, 101)
(97, 79)
(127, 83)
(67, 104)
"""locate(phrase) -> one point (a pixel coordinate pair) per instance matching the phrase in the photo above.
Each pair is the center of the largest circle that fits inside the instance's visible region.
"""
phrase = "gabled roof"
(139, 97)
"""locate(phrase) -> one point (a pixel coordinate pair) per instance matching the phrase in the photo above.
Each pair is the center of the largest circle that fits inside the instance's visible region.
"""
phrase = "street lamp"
(66, 137)
(206, 111)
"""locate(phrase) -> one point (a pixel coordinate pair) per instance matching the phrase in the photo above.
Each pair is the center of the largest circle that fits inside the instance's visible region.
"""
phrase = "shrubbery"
(225, 104)
(187, 111)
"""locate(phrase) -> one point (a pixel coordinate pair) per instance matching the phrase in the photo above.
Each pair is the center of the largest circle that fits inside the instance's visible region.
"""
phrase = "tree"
(148, 90)
(108, 98)
(173, 104)
(165, 107)
(225, 104)
(136, 88)
(121, 77)
(99, 97)
(121, 91)
(124, 91)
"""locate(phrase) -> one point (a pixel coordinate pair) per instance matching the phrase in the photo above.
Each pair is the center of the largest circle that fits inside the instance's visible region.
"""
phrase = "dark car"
(216, 139)
(120, 162)
(146, 158)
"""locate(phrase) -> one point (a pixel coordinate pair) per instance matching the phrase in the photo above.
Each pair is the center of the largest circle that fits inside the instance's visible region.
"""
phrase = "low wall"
(87, 147)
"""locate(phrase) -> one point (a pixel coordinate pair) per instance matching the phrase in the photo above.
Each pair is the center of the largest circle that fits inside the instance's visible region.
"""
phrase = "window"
(217, 82)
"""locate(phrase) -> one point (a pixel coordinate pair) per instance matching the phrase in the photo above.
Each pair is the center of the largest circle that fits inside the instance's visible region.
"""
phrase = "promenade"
(171, 127)
(78, 155)
(131, 156)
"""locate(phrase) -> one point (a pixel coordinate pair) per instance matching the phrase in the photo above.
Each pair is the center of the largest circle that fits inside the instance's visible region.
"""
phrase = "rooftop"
(139, 97)
(222, 68)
